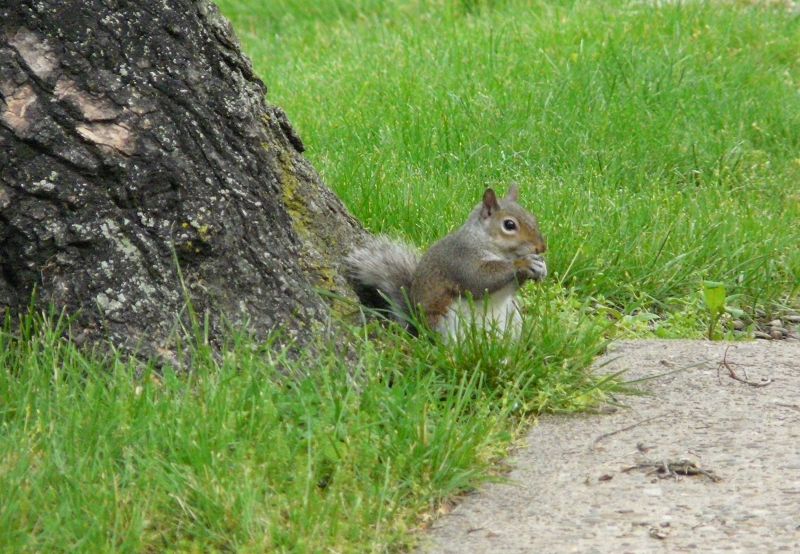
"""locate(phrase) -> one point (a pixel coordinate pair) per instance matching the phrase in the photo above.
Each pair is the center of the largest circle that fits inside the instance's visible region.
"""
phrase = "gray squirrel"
(472, 274)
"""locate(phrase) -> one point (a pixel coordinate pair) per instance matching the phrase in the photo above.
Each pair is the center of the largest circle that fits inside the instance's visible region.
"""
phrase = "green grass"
(658, 146)
(254, 451)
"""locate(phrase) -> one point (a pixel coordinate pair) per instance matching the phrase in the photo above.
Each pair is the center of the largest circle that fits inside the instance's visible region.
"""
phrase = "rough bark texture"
(135, 134)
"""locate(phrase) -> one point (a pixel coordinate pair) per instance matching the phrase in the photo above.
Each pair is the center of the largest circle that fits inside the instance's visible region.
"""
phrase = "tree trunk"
(135, 140)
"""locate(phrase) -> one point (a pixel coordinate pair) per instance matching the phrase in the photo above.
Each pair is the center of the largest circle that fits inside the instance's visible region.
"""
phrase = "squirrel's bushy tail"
(381, 271)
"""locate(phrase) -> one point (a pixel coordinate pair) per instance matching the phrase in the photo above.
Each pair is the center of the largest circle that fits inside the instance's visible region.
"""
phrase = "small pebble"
(777, 334)
(738, 324)
(657, 533)
(776, 323)
(792, 318)
(762, 335)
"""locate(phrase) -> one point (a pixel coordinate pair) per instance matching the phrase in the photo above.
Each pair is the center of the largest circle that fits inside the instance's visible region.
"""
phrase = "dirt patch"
(707, 461)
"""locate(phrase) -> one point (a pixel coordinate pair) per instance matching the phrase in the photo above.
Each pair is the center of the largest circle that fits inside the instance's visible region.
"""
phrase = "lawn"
(659, 146)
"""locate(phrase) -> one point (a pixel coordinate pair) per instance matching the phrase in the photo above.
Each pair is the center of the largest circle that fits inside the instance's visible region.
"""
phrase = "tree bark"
(135, 140)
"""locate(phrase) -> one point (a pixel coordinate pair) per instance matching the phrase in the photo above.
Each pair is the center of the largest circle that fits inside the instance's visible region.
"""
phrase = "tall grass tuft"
(253, 450)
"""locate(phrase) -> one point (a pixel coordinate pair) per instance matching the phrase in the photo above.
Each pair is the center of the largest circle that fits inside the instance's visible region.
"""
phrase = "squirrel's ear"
(513, 192)
(490, 203)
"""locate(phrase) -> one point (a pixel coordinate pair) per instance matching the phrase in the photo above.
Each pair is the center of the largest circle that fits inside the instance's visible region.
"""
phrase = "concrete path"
(591, 483)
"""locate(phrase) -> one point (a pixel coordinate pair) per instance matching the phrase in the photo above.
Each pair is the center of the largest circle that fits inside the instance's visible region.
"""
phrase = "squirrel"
(476, 270)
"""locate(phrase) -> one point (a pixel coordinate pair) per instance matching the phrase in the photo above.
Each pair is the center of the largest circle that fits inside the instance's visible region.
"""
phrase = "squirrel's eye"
(509, 225)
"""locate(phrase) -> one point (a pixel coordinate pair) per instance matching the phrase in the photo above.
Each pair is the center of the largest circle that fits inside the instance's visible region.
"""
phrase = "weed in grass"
(714, 298)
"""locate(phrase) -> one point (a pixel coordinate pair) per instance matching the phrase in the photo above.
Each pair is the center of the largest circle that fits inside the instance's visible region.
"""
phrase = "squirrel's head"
(512, 228)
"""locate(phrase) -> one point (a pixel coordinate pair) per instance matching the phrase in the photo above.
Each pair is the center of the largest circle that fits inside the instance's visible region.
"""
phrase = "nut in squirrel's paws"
(537, 267)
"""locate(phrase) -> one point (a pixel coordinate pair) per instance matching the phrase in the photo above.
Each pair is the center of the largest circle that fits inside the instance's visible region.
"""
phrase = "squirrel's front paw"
(537, 267)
